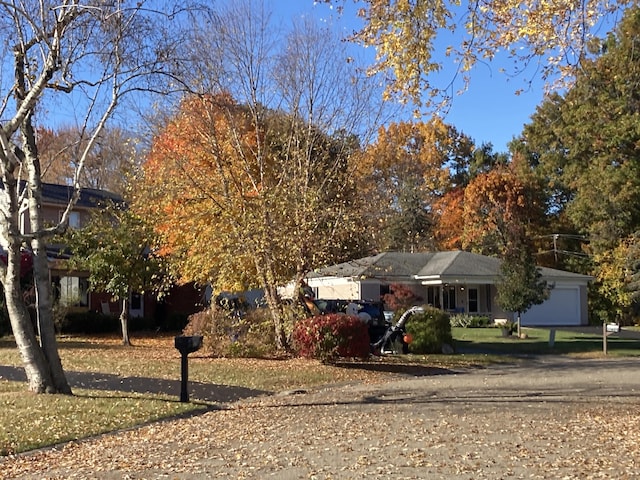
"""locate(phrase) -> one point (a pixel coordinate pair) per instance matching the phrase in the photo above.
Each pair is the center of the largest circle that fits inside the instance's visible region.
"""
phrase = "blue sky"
(489, 111)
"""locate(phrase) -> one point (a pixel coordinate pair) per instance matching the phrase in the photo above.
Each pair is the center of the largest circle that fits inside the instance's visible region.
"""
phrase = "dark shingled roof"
(383, 265)
(390, 265)
(89, 197)
(456, 263)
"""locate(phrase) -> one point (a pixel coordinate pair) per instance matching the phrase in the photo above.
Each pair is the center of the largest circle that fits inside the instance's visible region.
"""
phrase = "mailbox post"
(608, 329)
(186, 345)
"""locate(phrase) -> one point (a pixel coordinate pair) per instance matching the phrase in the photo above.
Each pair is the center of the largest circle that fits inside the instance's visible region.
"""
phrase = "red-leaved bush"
(330, 336)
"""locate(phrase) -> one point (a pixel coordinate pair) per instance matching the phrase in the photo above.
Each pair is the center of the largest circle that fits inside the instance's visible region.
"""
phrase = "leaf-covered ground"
(554, 418)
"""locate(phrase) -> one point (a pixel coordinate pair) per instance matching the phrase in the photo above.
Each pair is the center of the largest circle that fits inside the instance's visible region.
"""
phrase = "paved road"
(548, 418)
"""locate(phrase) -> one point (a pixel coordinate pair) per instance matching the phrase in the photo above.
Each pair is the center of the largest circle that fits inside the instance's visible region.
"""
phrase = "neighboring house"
(55, 199)
(455, 281)
(72, 287)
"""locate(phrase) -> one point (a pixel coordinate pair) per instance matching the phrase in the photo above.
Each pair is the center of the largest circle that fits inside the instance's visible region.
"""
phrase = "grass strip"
(32, 421)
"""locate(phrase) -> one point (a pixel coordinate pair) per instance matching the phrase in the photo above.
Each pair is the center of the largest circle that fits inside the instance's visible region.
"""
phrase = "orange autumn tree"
(502, 209)
(449, 208)
(450, 220)
(247, 198)
(179, 195)
(409, 167)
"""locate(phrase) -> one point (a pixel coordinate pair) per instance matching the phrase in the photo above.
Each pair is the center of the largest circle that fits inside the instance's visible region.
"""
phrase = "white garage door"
(561, 308)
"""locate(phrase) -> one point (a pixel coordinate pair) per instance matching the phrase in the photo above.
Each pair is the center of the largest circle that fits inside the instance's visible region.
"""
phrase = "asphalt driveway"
(548, 418)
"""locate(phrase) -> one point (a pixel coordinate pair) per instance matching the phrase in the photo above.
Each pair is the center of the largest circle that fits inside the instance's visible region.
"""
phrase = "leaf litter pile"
(472, 424)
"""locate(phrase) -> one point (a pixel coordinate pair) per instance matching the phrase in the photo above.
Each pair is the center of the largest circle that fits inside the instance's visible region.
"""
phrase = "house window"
(74, 291)
(433, 296)
(473, 300)
(449, 298)
(74, 219)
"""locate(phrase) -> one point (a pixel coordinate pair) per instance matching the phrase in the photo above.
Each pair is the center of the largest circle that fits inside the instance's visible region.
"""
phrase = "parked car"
(370, 311)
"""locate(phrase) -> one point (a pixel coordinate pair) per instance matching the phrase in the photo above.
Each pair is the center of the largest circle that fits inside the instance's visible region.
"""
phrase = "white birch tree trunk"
(89, 54)
(44, 317)
(35, 363)
(41, 275)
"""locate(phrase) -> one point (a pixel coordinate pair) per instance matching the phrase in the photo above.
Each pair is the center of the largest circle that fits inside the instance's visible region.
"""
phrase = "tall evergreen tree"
(586, 146)
(587, 143)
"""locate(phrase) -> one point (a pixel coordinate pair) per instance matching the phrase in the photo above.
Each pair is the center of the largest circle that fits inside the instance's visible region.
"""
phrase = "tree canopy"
(585, 147)
(243, 205)
(418, 38)
(257, 187)
(115, 248)
(501, 208)
(107, 166)
(409, 167)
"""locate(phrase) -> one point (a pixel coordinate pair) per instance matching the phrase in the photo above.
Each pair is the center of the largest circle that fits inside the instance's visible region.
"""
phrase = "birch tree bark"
(89, 56)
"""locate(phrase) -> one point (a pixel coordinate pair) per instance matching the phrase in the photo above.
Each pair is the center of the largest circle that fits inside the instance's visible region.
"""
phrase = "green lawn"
(566, 342)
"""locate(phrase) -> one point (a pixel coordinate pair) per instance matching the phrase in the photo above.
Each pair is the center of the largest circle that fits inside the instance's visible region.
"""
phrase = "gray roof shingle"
(89, 197)
(394, 265)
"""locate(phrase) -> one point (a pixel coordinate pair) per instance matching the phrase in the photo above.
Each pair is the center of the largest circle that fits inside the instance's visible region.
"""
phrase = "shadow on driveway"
(207, 392)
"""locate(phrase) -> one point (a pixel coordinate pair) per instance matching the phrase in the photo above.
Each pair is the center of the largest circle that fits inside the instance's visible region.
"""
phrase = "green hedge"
(89, 322)
(470, 321)
(431, 331)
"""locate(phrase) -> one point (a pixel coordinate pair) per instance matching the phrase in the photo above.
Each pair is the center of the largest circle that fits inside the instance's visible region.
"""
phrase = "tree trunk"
(44, 312)
(274, 303)
(124, 322)
(35, 364)
(275, 307)
(41, 277)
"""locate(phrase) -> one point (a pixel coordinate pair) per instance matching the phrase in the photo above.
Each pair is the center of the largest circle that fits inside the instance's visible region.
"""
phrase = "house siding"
(341, 288)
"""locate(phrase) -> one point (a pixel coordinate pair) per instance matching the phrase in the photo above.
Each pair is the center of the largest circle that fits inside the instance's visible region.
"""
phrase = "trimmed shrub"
(88, 322)
(230, 334)
(326, 337)
(431, 331)
(174, 322)
(469, 321)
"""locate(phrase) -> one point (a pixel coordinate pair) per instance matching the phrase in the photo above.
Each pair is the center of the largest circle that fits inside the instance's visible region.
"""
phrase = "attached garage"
(562, 308)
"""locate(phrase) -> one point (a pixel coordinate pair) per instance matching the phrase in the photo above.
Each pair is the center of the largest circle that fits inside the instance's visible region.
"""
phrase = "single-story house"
(455, 281)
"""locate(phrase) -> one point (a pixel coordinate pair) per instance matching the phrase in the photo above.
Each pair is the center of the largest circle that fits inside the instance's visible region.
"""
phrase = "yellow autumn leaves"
(554, 35)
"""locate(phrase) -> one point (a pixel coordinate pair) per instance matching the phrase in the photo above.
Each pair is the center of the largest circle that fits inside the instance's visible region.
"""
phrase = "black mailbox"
(186, 344)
